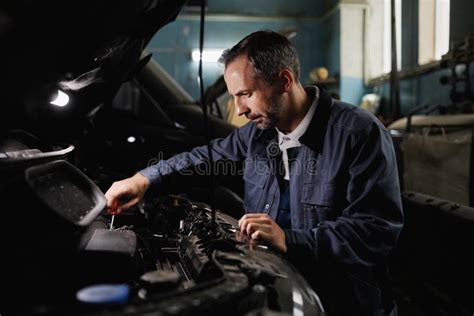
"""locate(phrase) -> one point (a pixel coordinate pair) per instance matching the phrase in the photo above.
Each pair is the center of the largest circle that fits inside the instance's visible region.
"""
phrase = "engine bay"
(166, 256)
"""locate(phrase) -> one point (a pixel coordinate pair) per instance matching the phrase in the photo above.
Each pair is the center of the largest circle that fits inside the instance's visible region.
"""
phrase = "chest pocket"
(255, 181)
(319, 203)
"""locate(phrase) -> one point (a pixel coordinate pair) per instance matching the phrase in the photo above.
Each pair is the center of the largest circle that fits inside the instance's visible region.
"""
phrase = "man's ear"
(286, 79)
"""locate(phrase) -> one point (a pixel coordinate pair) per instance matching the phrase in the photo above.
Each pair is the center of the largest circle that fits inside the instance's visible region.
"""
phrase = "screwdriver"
(113, 211)
(112, 222)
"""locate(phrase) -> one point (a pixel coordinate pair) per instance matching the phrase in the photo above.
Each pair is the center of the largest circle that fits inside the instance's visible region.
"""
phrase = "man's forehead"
(240, 63)
(239, 75)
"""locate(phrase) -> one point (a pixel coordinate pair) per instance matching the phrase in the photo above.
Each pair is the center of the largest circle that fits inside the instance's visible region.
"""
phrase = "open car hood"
(86, 47)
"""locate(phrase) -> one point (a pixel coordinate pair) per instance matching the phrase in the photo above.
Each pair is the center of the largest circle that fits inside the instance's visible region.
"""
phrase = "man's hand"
(126, 193)
(263, 227)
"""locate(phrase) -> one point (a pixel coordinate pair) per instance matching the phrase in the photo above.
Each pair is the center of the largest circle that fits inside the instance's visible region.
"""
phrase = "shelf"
(328, 81)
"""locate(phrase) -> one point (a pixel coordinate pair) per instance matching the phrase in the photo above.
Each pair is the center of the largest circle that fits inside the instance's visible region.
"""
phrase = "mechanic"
(321, 182)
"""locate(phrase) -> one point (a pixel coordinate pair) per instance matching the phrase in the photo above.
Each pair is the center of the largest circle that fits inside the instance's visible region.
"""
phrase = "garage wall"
(426, 89)
(174, 52)
(329, 34)
(462, 22)
(227, 22)
(352, 86)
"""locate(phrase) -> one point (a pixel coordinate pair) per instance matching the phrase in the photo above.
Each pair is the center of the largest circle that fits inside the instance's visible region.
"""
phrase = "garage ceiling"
(294, 8)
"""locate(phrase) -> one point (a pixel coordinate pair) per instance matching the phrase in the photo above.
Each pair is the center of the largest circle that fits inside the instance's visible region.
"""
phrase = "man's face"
(254, 98)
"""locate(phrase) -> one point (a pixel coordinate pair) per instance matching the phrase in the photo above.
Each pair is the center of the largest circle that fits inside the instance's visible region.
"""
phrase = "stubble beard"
(272, 118)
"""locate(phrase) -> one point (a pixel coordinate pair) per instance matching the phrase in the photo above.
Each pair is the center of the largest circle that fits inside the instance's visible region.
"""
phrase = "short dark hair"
(268, 52)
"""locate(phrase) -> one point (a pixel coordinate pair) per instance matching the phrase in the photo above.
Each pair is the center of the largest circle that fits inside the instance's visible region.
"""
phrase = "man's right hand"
(126, 193)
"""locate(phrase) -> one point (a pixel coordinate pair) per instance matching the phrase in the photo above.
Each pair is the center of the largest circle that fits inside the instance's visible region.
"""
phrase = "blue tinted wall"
(173, 44)
(426, 89)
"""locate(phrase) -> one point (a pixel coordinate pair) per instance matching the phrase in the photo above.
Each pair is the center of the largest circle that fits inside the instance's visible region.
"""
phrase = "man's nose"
(241, 108)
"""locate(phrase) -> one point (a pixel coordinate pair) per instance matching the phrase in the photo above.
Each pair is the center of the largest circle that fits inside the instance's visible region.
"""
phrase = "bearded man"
(321, 182)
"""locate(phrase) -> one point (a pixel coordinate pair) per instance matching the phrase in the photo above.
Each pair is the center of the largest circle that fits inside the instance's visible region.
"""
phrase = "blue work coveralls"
(346, 210)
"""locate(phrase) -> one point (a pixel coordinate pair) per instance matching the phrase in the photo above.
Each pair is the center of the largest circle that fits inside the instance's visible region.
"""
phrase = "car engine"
(166, 256)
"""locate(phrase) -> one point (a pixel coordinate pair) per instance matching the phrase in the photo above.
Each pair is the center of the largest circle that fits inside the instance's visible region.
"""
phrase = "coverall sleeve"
(233, 147)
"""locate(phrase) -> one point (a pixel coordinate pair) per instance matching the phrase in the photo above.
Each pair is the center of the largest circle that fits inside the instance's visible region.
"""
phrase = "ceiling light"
(208, 55)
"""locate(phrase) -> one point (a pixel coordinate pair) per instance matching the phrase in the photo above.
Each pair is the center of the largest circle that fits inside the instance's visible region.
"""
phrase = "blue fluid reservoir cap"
(104, 294)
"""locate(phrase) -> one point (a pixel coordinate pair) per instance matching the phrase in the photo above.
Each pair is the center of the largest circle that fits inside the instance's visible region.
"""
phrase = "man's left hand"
(262, 227)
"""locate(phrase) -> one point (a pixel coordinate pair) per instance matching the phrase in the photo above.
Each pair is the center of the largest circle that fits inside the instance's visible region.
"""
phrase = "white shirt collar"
(295, 135)
(291, 140)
